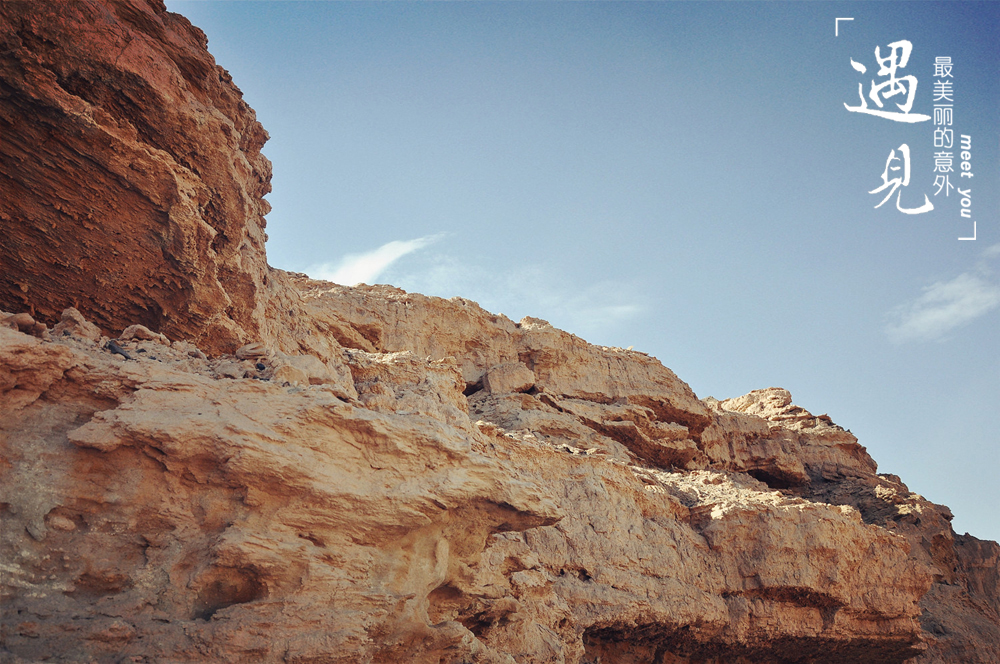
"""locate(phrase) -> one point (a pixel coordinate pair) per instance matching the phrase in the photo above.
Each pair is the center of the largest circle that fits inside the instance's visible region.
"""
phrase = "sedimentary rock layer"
(131, 173)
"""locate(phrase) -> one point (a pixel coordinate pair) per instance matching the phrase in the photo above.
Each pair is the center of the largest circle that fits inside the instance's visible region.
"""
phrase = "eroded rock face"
(131, 174)
(198, 504)
(261, 467)
(194, 510)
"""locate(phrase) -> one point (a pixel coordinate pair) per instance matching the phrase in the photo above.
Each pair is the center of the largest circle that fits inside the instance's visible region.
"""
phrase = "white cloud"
(946, 305)
(365, 268)
(596, 312)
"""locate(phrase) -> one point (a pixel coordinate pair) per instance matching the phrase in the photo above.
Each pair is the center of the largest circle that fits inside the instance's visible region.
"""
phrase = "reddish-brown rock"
(130, 172)
(265, 468)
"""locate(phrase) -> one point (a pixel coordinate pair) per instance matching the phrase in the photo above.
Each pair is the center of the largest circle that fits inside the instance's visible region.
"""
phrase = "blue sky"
(679, 177)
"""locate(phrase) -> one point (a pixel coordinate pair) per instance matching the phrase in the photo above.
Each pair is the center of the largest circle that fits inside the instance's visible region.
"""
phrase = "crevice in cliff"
(695, 422)
(799, 596)
(222, 587)
(472, 388)
(659, 643)
(94, 584)
(775, 480)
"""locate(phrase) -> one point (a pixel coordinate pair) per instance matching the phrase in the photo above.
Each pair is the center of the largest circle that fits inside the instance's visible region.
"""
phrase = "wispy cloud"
(599, 311)
(367, 267)
(947, 305)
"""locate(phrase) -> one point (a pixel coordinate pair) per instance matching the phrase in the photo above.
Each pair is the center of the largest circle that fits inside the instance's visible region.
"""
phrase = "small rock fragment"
(287, 373)
(304, 369)
(117, 350)
(251, 351)
(73, 323)
(28, 629)
(58, 522)
(190, 349)
(230, 369)
(144, 333)
(508, 377)
(23, 322)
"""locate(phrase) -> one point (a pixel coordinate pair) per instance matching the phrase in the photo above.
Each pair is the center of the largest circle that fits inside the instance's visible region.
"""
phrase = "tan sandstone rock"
(72, 323)
(508, 377)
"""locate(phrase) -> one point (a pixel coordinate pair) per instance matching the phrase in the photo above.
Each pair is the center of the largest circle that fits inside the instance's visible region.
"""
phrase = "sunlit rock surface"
(203, 459)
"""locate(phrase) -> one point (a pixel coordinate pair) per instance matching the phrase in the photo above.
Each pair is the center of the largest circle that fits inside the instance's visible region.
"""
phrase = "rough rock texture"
(128, 156)
(264, 468)
(185, 508)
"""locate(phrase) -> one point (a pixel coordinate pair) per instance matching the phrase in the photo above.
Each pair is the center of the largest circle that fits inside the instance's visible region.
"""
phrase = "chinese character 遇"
(898, 182)
(897, 59)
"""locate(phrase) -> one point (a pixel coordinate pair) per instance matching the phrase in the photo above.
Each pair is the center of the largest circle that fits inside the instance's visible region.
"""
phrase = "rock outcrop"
(203, 459)
(131, 174)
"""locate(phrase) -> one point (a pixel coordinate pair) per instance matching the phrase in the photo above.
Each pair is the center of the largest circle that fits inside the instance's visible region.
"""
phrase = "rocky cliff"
(203, 459)
(129, 158)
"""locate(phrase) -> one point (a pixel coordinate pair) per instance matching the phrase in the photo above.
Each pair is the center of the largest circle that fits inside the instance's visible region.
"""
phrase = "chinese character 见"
(900, 181)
